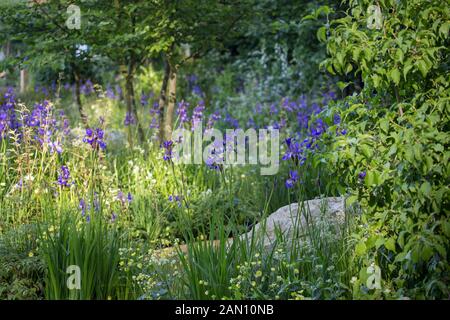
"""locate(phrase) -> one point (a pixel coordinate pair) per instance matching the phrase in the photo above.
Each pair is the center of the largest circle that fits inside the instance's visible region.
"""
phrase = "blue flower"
(96, 202)
(129, 119)
(294, 151)
(95, 138)
(362, 175)
(64, 177)
(197, 91)
(292, 179)
(183, 112)
(168, 146)
(197, 115)
(177, 199)
(82, 205)
(110, 92)
(213, 118)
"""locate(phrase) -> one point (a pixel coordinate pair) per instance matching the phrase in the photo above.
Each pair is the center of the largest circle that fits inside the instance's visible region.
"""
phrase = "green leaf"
(407, 68)
(395, 75)
(366, 150)
(446, 228)
(443, 30)
(390, 244)
(321, 34)
(399, 55)
(360, 248)
(349, 68)
(376, 80)
(309, 17)
(351, 200)
(418, 151)
(384, 125)
(369, 179)
(423, 68)
(425, 189)
(342, 85)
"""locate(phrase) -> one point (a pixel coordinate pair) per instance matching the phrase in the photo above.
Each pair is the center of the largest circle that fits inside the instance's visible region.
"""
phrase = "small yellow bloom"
(30, 254)
(258, 273)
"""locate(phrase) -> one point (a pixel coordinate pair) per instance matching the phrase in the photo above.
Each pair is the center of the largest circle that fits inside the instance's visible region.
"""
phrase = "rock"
(290, 220)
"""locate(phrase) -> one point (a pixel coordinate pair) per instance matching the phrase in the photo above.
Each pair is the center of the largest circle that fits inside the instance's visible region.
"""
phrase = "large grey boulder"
(292, 220)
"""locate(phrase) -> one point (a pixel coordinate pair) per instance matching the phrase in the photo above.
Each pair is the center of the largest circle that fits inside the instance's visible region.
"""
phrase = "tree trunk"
(163, 100)
(131, 103)
(83, 116)
(23, 81)
(168, 121)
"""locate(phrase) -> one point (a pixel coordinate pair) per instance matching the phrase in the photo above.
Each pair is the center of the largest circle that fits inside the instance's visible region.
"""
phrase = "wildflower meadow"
(224, 150)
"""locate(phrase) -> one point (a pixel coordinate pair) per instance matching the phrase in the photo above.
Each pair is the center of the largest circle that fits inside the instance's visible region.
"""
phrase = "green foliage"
(21, 270)
(394, 158)
(93, 246)
(315, 265)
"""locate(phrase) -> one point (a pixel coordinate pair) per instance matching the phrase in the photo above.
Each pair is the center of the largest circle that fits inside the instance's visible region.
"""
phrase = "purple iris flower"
(292, 179)
(95, 138)
(129, 119)
(168, 146)
(64, 177)
(82, 205)
(197, 115)
(183, 112)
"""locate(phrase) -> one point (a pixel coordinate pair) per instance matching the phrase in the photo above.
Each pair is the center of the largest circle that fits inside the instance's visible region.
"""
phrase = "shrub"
(394, 158)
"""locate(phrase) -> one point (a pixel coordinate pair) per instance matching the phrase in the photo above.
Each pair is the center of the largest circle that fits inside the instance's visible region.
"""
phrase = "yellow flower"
(30, 254)
(258, 273)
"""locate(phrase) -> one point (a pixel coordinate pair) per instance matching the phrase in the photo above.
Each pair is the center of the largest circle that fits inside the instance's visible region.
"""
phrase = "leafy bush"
(394, 158)
(21, 269)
